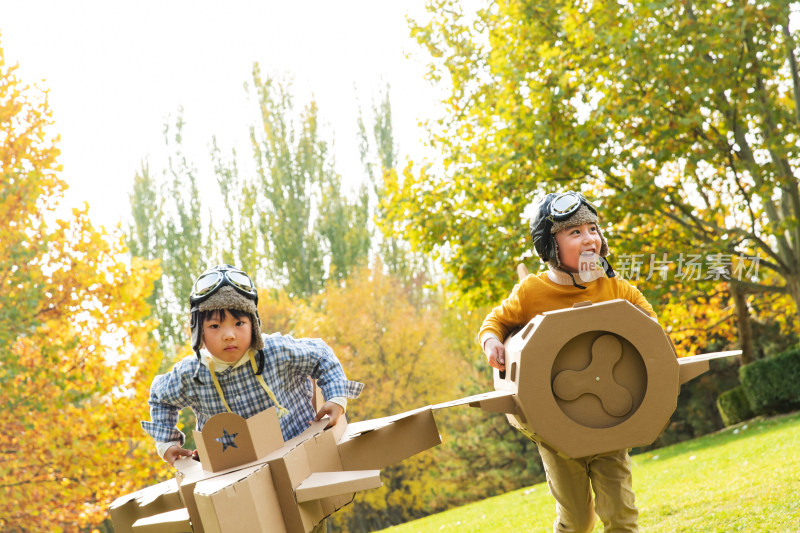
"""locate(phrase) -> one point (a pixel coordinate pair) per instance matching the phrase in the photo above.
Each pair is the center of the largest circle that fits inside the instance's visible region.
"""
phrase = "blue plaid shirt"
(289, 364)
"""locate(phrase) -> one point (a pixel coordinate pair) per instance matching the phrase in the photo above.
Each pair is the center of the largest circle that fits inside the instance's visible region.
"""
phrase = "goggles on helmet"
(211, 280)
(566, 204)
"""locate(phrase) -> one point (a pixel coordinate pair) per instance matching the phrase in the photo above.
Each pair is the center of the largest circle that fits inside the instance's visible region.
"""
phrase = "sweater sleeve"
(505, 317)
(634, 296)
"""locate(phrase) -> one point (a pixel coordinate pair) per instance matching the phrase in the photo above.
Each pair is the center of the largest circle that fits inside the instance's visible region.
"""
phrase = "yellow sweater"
(537, 293)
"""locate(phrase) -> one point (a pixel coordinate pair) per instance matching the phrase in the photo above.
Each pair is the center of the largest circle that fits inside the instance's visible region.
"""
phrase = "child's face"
(579, 247)
(227, 338)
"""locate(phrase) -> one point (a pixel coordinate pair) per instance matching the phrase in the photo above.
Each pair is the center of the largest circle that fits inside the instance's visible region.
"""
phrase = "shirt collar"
(220, 365)
(562, 277)
(202, 374)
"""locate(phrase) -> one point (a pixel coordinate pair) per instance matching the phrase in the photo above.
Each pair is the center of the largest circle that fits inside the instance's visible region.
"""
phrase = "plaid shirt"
(289, 364)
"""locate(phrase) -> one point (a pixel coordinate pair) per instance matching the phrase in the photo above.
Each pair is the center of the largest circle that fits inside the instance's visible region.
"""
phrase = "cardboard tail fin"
(326, 484)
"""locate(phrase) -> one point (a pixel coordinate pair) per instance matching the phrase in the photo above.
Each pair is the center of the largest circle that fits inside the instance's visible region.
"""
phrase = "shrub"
(734, 407)
(773, 385)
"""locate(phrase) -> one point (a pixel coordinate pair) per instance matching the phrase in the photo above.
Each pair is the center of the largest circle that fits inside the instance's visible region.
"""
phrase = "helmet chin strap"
(574, 284)
(609, 271)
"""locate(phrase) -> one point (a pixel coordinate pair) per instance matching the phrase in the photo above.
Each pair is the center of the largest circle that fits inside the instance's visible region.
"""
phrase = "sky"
(116, 72)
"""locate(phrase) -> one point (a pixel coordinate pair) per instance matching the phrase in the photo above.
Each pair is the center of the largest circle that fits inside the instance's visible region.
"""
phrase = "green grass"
(744, 478)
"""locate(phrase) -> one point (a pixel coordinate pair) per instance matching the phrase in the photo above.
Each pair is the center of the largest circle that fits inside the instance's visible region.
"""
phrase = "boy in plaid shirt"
(237, 369)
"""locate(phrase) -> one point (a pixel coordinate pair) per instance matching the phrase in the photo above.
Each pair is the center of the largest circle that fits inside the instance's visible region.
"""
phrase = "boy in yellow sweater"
(567, 237)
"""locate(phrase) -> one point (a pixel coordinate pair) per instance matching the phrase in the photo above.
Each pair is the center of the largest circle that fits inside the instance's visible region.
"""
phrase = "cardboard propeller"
(592, 379)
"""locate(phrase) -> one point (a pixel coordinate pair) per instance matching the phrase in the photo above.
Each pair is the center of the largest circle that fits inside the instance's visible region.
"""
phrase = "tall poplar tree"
(288, 223)
(379, 157)
(167, 225)
(311, 230)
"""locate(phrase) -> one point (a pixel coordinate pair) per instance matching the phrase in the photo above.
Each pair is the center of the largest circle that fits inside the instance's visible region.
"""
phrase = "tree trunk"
(743, 322)
(793, 286)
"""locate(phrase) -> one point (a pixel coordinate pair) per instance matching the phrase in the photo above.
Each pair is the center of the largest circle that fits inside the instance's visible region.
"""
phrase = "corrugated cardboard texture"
(190, 472)
(289, 466)
(326, 484)
(694, 365)
(242, 501)
(596, 379)
(389, 444)
(288, 471)
(323, 456)
(228, 440)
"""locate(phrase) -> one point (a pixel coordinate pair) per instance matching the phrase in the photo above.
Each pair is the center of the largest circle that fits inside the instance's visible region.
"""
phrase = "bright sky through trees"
(117, 71)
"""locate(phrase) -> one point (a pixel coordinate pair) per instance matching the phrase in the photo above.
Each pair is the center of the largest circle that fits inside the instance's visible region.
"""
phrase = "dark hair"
(219, 314)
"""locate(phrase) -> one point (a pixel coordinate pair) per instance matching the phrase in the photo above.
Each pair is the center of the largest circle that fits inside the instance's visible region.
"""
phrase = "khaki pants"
(571, 482)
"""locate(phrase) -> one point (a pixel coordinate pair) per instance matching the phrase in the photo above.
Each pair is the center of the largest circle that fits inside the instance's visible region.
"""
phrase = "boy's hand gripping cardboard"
(592, 379)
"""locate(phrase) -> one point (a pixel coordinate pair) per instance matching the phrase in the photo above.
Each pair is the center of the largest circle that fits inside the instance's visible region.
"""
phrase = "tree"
(75, 357)
(378, 152)
(686, 113)
(303, 216)
(166, 225)
(289, 224)
(395, 346)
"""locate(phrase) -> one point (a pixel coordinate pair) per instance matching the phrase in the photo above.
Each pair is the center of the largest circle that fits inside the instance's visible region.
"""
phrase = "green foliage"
(740, 479)
(290, 163)
(284, 225)
(686, 114)
(734, 407)
(378, 154)
(773, 384)
(166, 224)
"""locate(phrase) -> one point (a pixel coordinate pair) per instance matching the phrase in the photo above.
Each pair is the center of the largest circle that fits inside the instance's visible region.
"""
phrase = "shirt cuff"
(340, 400)
(162, 447)
(486, 337)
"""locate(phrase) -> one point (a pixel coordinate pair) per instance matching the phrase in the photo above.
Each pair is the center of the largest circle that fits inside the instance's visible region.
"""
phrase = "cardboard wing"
(321, 485)
(239, 485)
(376, 444)
(176, 521)
(153, 500)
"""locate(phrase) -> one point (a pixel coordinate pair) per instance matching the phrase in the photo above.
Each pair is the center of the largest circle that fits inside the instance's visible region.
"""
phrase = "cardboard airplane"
(587, 380)
(593, 379)
(248, 479)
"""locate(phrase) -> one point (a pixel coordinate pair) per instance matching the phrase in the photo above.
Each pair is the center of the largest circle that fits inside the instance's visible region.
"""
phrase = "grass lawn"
(744, 478)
